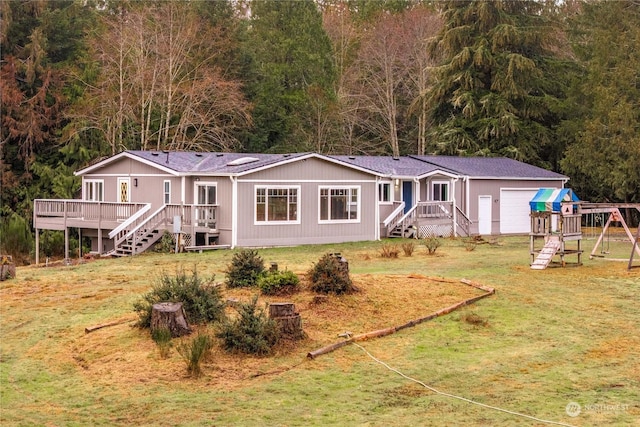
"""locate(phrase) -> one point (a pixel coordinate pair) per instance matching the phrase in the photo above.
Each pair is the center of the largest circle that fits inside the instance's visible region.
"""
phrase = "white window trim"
(447, 183)
(93, 183)
(275, 187)
(390, 185)
(165, 193)
(339, 221)
(204, 184)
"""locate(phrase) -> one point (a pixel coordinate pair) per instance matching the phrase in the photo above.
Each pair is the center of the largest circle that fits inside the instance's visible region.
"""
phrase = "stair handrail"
(393, 215)
(146, 221)
(410, 215)
(463, 221)
(128, 234)
(132, 219)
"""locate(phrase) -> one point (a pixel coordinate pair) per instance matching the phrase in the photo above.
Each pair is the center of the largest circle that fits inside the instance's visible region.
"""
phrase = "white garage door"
(514, 210)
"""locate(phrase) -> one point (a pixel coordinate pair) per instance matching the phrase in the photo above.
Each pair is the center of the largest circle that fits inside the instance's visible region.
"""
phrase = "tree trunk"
(171, 316)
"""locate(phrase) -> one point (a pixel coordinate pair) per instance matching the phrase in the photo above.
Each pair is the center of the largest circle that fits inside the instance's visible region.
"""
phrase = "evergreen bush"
(201, 299)
(252, 332)
(330, 275)
(245, 269)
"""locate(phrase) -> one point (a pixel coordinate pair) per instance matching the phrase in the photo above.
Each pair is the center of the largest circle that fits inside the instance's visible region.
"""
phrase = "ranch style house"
(217, 200)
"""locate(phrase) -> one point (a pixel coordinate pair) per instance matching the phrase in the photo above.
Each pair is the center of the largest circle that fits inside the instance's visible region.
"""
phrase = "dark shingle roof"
(490, 167)
(391, 166)
(191, 163)
(213, 163)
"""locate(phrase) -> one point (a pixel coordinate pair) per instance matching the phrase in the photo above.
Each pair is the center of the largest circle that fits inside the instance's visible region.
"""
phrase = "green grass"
(550, 337)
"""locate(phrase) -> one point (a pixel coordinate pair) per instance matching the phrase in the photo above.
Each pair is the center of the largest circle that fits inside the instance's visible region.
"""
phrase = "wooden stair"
(546, 254)
(144, 240)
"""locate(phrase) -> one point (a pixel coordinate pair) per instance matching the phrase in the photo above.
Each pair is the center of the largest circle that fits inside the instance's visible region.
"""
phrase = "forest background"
(551, 83)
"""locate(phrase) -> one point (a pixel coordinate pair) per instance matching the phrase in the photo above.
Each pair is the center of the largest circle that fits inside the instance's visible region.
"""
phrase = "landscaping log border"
(393, 329)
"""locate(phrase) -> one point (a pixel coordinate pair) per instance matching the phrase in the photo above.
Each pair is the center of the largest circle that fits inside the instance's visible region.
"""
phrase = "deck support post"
(37, 246)
(66, 244)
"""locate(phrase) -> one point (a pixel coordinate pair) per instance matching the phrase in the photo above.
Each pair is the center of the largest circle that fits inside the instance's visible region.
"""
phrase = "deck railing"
(84, 210)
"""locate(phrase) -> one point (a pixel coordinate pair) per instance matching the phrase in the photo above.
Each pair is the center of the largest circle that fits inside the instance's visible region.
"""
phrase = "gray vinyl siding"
(316, 173)
(488, 187)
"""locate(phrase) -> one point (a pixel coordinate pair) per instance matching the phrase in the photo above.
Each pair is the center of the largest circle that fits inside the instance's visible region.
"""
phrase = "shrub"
(245, 269)
(470, 244)
(162, 337)
(389, 251)
(278, 283)
(194, 352)
(330, 275)
(432, 243)
(201, 299)
(167, 243)
(15, 237)
(253, 332)
(408, 248)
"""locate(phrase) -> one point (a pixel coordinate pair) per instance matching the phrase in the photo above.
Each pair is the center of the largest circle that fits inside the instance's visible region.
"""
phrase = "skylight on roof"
(242, 161)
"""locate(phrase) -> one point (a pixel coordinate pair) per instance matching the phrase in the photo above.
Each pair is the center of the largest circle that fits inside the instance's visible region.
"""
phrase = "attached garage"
(514, 210)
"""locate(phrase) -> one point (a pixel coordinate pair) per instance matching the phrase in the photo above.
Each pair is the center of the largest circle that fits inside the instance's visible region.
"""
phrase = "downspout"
(455, 210)
(183, 190)
(234, 211)
(466, 208)
(376, 235)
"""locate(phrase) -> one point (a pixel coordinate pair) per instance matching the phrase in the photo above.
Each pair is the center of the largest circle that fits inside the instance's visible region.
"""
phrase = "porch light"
(135, 182)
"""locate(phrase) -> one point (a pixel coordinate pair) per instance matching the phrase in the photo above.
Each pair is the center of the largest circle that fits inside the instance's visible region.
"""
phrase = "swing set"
(599, 210)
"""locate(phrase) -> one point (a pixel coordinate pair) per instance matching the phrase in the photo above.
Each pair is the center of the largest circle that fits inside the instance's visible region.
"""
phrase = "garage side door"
(514, 210)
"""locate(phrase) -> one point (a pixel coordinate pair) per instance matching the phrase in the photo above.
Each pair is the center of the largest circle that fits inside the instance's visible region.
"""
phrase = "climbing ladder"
(546, 254)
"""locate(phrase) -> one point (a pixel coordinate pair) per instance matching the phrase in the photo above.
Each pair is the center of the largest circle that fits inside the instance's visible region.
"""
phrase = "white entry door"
(484, 215)
(124, 196)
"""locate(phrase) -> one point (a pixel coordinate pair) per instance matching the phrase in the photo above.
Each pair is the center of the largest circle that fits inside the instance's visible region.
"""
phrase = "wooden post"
(37, 246)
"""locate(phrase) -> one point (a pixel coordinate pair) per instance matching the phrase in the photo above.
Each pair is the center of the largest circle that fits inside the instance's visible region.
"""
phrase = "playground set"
(556, 227)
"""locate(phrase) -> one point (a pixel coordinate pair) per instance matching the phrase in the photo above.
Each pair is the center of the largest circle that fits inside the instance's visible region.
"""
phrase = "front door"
(407, 195)
(484, 215)
(124, 196)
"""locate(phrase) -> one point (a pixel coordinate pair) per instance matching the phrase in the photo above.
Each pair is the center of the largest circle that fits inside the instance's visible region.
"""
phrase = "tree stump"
(289, 322)
(281, 309)
(171, 316)
(7, 267)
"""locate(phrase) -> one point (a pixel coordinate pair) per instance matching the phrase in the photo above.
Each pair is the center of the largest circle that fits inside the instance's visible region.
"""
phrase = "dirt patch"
(123, 354)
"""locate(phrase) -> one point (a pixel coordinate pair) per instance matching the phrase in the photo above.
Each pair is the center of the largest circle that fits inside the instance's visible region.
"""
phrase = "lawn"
(546, 339)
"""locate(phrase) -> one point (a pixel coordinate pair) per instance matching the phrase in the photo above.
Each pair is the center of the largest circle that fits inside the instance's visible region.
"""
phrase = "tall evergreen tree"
(604, 158)
(40, 41)
(495, 92)
(290, 76)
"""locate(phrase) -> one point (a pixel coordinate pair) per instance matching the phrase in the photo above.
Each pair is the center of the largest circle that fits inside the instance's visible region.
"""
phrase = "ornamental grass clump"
(245, 269)
(162, 338)
(200, 297)
(194, 351)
